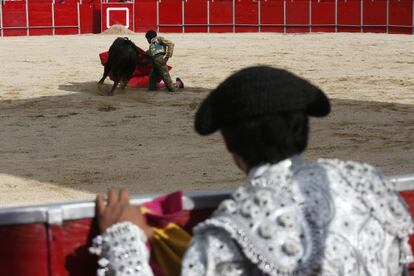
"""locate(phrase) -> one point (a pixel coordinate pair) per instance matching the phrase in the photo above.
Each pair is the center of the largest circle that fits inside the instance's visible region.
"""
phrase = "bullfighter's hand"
(117, 209)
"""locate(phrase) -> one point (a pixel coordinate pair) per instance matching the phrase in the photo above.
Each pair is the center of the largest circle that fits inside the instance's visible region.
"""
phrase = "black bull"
(123, 57)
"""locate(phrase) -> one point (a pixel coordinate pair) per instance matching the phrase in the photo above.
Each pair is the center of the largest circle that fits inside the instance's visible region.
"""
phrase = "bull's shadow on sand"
(145, 140)
(93, 88)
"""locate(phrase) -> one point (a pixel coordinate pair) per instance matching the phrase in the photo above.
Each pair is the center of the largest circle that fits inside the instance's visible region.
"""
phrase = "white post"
(361, 28)
(336, 16)
(53, 18)
(310, 16)
(133, 16)
(1, 18)
(208, 16)
(259, 3)
(27, 18)
(234, 16)
(78, 12)
(182, 16)
(284, 16)
(158, 16)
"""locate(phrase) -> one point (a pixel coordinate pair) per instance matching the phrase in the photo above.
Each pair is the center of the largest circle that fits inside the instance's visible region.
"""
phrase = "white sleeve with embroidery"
(122, 251)
(214, 253)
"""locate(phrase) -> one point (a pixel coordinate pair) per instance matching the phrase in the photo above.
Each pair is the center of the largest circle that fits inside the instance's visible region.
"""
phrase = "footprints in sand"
(38, 116)
(107, 108)
(67, 115)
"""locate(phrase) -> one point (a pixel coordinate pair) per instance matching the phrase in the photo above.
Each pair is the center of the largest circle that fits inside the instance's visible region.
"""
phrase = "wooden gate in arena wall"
(117, 13)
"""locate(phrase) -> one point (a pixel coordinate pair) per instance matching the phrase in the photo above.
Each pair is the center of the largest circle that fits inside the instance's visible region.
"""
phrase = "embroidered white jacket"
(295, 217)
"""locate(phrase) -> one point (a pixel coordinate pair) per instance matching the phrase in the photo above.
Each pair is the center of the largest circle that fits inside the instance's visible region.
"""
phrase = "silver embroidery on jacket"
(317, 218)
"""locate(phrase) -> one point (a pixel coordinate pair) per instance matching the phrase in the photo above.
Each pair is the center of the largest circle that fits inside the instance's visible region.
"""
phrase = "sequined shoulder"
(375, 192)
(267, 222)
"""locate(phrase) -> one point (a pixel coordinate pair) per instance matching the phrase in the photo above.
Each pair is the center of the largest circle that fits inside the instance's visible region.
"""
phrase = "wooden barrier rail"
(53, 239)
(37, 17)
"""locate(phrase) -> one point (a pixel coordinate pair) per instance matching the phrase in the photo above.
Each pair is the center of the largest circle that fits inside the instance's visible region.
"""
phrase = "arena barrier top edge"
(59, 212)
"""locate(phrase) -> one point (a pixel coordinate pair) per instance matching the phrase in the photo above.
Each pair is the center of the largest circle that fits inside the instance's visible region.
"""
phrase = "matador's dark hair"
(269, 138)
(150, 34)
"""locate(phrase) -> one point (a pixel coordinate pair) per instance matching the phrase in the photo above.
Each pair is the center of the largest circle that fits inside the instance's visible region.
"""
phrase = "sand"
(117, 30)
(60, 140)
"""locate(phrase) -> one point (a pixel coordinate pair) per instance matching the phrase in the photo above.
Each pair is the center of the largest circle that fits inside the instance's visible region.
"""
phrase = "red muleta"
(140, 77)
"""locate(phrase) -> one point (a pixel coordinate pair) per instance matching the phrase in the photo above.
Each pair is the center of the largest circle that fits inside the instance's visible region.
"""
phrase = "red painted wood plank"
(170, 16)
(271, 13)
(323, 13)
(14, 18)
(297, 13)
(195, 12)
(247, 14)
(401, 13)
(221, 12)
(145, 15)
(375, 13)
(40, 15)
(66, 14)
(349, 15)
(23, 250)
(69, 248)
(87, 18)
(408, 196)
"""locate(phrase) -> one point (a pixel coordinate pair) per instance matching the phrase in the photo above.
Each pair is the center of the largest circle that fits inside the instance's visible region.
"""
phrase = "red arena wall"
(61, 248)
(50, 17)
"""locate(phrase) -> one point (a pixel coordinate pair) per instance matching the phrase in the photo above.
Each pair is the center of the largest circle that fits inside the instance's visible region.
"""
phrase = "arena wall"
(55, 17)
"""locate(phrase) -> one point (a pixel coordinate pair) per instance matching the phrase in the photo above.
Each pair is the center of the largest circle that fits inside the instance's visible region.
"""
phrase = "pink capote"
(160, 213)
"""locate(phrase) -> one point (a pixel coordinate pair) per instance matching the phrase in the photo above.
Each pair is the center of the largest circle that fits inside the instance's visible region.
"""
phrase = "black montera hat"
(257, 91)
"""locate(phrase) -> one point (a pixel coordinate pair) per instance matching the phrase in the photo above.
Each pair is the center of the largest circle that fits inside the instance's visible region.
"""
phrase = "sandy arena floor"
(61, 141)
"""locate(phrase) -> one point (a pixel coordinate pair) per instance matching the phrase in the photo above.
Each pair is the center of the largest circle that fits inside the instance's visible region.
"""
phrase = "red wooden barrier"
(97, 18)
(349, 15)
(401, 14)
(60, 250)
(45, 17)
(375, 13)
(66, 18)
(42, 1)
(247, 18)
(170, 16)
(14, 18)
(145, 15)
(40, 18)
(69, 248)
(90, 18)
(271, 16)
(221, 16)
(297, 16)
(195, 14)
(24, 250)
(323, 16)
(409, 199)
